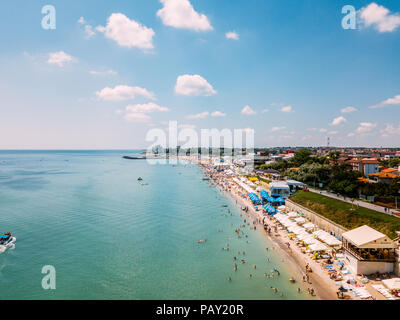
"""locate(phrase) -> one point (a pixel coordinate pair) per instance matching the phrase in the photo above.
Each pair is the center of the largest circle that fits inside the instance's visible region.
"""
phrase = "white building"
(279, 189)
(368, 251)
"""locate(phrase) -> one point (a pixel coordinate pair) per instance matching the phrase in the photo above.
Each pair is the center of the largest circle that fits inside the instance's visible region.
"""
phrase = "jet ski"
(6, 241)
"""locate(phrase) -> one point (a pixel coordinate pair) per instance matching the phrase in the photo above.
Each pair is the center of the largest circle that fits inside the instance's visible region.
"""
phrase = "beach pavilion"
(368, 251)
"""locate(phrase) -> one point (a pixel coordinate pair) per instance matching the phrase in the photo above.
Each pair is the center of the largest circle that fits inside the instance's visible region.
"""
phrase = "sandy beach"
(324, 287)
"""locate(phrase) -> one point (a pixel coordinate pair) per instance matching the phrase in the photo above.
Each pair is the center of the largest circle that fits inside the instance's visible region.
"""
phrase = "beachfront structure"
(295, 185)
(279, 189)
(368, 251)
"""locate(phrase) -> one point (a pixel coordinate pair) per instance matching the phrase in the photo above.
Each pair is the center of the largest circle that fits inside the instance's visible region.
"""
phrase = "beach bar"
(368, 251)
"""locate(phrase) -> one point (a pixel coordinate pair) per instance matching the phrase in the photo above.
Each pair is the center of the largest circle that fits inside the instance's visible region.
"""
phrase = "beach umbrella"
(292, 214)
(300, 220)
(308, 225)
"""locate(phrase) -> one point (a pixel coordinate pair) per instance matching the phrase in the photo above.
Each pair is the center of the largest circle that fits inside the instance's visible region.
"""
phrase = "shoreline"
(324, 287)
(324, 290)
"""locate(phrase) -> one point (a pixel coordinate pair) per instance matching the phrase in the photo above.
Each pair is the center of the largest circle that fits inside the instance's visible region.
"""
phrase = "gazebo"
(368, 251)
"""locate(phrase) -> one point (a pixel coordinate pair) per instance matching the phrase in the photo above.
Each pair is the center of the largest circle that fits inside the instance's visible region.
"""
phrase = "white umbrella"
(309, 225)
(292, 214)
(281, 207)
(392, 284)
(318, 246)
(300, 220)
(310, 240)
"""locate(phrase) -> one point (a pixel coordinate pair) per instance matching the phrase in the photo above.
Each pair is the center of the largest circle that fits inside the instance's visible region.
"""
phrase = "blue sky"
(288, 70)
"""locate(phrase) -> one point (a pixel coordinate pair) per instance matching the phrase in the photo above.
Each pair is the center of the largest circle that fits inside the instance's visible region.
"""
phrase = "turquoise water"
(110, 237)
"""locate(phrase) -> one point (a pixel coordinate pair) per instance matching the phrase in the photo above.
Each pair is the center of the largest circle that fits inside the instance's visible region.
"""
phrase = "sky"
(102, 74)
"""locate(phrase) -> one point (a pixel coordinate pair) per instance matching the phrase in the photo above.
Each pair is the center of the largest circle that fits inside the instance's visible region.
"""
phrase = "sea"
(103, 234)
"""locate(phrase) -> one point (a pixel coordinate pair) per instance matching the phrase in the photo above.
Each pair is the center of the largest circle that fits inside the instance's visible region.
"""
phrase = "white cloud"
(312, 129)
(218, 114)
(390, 130)
(187, 126)
(89, 31)
(201, 115)
(379, 17)
(333, 132)
(127, 33)
(274, 129)
(123, 92)
(232, 35)
(348, 110)
(264, 110)
(180, 14)
(103, 73)
(322, 130)
(81, 20)
(337, 121)
(351, 134)
(247, 110)
(287, 109)
(193, 85)
(365, 127)
(391, 101)
(146, 108)
(136, 117)
(59, 58)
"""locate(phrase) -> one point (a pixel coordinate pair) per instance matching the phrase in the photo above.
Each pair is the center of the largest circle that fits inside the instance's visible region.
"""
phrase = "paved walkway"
(356, 202)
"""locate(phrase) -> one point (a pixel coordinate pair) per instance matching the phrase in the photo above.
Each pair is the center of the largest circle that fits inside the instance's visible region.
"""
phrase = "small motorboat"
(292, 280)
(140, 179)
(6, 241)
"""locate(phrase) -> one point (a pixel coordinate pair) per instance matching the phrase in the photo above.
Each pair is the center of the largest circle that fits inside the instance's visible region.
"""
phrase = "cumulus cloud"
(89, 31)
(127, 33)
(247, 110)
(139, 112)
(391, 101)
(274, 129)
(146, 108)
(193, 85)
(232, 35)
(81, 20)
(379, 17)
(365, 127)
(390, 130)
(200, 115)
(59, 58)
(348, 110)
(287, 109)
(123, 92)
(339, 120)
(181, 14)
(218, 114)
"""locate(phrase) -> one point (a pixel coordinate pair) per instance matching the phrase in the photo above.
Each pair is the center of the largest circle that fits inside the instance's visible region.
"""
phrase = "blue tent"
(254, 198)
(280, 200)
(264, 195)
(270, 209)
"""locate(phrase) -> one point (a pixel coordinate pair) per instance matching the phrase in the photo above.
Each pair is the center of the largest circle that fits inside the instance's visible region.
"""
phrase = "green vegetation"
(340, 212)
(264, 180)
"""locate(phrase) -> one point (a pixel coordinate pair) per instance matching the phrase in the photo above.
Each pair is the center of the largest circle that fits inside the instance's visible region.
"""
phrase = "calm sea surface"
(110, 237)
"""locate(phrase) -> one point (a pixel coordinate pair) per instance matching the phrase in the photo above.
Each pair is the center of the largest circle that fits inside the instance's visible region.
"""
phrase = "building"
(386, 175)
(279, 189)
(368, 251)
(370, 166)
